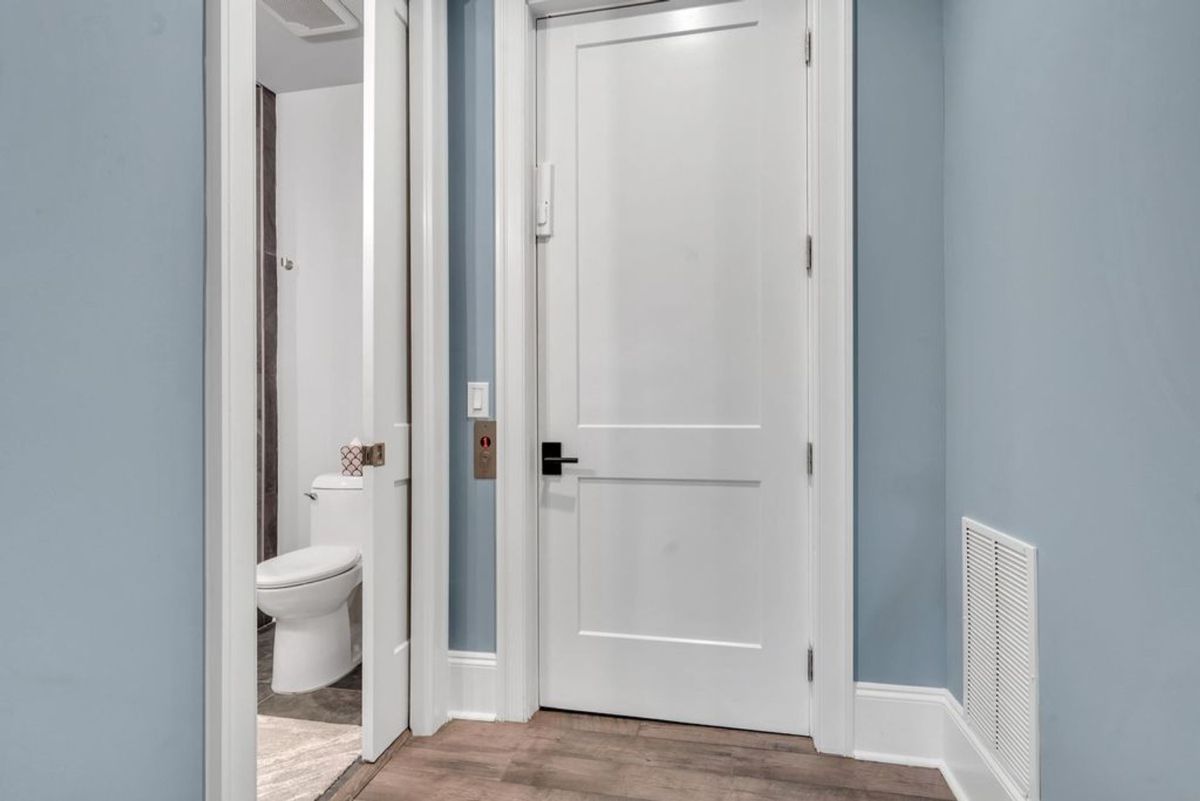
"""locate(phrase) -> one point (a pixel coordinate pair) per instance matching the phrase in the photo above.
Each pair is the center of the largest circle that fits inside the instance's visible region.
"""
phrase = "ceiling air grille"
(308, 18)
(1000, 639)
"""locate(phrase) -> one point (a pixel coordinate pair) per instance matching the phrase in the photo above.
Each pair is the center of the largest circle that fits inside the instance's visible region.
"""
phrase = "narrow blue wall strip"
(472, 320)
(101, 399)
(900, 609)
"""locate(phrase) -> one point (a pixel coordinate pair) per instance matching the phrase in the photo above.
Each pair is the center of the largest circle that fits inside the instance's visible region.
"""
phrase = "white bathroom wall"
(319, 209)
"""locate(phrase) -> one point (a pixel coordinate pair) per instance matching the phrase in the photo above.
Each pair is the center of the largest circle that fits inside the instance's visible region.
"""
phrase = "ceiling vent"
(308, 18)
(1000, 640)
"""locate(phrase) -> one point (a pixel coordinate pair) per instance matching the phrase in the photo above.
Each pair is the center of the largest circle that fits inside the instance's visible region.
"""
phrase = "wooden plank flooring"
(561, 756)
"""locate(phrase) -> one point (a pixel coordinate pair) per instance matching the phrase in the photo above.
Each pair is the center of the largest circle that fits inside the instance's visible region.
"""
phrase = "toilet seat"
(305, 566)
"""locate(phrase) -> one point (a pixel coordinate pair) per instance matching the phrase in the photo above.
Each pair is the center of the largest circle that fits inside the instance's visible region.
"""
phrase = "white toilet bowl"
(308, 592)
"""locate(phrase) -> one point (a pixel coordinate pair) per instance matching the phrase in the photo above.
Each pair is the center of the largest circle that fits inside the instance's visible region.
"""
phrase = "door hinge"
(811, 663)
(808, 48)
(810, 458)
(374, 455)
(808, 255)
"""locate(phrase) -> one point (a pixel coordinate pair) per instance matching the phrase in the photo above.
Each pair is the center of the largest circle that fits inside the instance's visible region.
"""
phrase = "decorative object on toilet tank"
(352, 458)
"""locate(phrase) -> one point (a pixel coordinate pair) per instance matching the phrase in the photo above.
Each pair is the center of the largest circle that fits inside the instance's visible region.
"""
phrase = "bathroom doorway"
(332, 394)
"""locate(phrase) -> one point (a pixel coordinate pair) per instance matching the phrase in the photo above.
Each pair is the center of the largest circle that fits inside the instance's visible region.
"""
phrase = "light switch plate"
(478, 404)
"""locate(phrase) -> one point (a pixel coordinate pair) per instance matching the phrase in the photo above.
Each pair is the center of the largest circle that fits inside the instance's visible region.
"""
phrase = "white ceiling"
(287, 63)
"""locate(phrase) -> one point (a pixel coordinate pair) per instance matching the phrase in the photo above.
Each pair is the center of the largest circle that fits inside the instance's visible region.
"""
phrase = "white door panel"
(675, 542)
(385, 372)
(672, 314)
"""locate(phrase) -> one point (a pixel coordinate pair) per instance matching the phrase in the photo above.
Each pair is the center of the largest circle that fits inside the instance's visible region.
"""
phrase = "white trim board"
(516, 365)
(831, 204)
(230, 484)
(831, 182)
(472, 685)
(429, 598)
(925, 727)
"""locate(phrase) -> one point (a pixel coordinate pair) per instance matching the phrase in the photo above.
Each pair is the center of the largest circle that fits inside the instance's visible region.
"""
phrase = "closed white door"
(385, 372)
(674, 556)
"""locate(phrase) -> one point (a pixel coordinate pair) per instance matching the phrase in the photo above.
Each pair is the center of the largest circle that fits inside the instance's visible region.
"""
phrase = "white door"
(674, 556)
(385, 372)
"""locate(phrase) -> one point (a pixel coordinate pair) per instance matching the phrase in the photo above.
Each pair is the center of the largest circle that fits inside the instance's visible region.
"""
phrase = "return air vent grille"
(307, 18)
(1000, 639)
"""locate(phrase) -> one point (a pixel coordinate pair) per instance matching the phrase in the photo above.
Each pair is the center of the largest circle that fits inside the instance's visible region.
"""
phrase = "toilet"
(313, 593)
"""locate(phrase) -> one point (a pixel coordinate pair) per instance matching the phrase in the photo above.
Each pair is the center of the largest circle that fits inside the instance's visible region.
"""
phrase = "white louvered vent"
(1000, 642)
(307, 18)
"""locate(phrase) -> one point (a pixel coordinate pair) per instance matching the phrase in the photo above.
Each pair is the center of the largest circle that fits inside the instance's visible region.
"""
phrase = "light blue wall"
(900, 607)
(101, 399)
(1073, 363)
(472, 317)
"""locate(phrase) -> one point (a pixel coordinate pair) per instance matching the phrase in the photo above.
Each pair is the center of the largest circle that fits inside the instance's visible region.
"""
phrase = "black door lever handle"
(553, 460)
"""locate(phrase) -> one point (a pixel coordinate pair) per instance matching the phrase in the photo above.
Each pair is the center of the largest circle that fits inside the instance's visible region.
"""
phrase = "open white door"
(385, 372)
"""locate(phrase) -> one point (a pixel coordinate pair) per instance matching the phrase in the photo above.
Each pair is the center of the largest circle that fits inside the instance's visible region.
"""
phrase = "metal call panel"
(484, 449)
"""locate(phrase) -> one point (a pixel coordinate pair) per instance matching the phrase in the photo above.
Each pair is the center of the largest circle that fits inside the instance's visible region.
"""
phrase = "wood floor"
(561, 756)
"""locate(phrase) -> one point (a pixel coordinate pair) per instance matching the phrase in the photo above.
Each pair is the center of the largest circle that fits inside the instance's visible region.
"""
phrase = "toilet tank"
(339, 513)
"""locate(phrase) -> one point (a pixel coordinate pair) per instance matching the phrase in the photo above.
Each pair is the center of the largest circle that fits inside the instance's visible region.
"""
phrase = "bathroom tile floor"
(340, 702)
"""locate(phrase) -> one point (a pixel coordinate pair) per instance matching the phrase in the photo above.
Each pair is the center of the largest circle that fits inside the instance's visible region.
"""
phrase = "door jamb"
(230, 485)
(429, 604)
(516, 364)
(831, 181)
(230, 649)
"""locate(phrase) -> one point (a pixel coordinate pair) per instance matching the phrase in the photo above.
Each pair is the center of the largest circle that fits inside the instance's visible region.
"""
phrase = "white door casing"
(430, 305)
(230, 383)
(674, 558)
(385, 373)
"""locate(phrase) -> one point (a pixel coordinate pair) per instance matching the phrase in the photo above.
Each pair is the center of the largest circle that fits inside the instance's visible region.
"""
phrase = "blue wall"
(472, 321)
(1071, 377)
(1073, 363)
(900, 608)
(101, 348)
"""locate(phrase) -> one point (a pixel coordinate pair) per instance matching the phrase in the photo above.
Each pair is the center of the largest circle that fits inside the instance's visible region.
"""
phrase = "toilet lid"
(306, 565)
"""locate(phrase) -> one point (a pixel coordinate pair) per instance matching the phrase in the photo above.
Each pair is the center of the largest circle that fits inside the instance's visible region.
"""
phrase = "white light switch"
(477, 399)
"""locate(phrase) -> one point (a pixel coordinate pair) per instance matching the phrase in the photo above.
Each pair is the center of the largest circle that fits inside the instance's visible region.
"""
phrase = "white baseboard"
(903, 725)
(472, 685)
(925, 727)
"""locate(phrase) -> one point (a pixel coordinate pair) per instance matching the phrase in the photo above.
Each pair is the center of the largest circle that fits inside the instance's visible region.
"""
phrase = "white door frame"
(230, 494)
(831, 155)
(429, 604)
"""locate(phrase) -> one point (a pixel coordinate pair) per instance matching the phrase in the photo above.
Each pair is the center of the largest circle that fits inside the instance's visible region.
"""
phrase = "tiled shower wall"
(268, 324)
